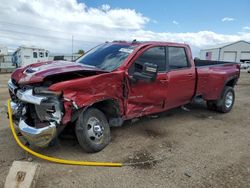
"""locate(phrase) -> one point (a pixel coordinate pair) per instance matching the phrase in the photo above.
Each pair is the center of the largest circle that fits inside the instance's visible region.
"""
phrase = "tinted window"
(154, 55)
(34, 54)
(107, 56)
(177, 58)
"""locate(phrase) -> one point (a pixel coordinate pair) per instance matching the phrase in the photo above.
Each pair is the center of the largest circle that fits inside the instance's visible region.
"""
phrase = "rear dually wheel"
(225, 103)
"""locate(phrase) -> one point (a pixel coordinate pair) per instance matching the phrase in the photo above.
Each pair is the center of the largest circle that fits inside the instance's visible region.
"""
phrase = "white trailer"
(5, 60)
(28, 55)
(3, 50)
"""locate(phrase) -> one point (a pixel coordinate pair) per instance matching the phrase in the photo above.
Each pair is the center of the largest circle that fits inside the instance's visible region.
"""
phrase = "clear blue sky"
(192, 15)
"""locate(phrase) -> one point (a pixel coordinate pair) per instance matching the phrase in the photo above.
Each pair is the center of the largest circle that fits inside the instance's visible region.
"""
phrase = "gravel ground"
(196, 148)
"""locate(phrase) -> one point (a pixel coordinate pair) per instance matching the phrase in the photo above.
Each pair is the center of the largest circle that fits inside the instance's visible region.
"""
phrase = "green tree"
(81, 51)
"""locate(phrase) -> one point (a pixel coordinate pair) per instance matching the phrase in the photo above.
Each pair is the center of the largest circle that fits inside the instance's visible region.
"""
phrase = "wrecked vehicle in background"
(114, 82)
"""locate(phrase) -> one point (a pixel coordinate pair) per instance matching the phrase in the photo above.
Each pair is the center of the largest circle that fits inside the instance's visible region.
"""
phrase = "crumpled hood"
(36, 73)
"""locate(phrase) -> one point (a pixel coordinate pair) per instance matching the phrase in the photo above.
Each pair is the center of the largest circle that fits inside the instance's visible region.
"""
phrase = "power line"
(57, 31)
(7, 33)
(29, 39)
(43, 36)
(16, 38)
(9, 23)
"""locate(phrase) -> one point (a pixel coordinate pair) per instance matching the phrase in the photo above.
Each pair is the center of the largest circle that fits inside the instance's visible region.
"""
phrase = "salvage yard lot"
(196, 148)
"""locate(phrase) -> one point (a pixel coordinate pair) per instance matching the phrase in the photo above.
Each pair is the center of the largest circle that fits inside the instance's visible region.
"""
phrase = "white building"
(236, 52)
(25, 55)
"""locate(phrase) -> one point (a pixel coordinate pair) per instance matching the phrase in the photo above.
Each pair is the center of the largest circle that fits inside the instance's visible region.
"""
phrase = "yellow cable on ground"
(52, 159)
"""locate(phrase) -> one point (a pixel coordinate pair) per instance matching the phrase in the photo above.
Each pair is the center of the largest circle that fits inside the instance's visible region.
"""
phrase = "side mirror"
(146, 72)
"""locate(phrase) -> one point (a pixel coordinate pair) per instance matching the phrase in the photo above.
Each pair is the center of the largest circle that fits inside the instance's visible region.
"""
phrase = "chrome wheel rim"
(95, 130)
(229, 100)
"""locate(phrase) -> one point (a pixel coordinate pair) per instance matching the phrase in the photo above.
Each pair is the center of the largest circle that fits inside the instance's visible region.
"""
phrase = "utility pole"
(72, 49)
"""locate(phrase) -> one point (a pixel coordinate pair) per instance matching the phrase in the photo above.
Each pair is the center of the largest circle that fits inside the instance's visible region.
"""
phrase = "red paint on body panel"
(171, 89)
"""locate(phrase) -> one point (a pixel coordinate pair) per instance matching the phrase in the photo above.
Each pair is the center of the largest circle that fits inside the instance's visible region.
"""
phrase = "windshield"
(107, 56)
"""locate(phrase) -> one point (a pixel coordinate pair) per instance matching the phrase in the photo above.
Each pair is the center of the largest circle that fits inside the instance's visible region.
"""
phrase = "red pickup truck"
(114, 82)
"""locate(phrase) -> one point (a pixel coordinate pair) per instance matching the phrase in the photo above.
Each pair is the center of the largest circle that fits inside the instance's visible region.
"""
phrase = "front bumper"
(40, 137)
(37, 116)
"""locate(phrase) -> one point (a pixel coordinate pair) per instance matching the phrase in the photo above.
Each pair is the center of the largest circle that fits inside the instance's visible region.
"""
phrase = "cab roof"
(143, 43)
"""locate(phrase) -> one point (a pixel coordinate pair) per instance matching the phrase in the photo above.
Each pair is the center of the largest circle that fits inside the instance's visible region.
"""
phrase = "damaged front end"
(37, 112)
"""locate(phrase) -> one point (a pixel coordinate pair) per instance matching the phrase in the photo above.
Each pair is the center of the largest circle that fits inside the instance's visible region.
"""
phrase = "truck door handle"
(190, 75)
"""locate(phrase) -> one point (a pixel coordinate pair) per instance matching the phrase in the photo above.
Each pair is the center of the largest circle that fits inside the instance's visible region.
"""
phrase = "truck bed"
(212, 76)
(201, 63)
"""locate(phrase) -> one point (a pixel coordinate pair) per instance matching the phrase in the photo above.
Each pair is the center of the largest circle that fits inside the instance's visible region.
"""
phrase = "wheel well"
(231, 82)
(109, 107)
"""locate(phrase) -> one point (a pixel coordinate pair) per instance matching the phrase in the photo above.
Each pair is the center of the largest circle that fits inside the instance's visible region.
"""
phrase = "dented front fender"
(86, 91)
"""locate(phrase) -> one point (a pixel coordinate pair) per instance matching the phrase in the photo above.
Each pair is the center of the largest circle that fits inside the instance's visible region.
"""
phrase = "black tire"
(92, 130)
(224, 105)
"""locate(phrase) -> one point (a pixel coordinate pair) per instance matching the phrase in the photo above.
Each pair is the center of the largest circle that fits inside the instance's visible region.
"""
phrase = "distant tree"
(81, 51)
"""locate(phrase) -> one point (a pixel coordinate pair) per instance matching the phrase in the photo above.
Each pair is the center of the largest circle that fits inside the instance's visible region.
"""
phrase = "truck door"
(181, 77)
(148, 97)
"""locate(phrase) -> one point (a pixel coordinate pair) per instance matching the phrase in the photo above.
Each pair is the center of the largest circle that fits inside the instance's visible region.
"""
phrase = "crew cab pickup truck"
(111, 83)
